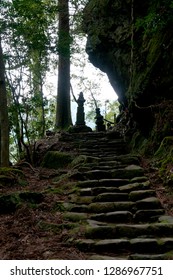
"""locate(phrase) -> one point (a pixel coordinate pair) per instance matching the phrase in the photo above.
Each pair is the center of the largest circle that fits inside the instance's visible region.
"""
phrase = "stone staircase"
(120, 212)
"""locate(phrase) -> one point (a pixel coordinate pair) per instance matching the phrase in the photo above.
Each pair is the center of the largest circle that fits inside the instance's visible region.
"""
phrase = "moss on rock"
(55, 160)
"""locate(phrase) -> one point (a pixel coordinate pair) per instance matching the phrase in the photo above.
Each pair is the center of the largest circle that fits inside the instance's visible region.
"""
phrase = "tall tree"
(63, 111)
(4, 127)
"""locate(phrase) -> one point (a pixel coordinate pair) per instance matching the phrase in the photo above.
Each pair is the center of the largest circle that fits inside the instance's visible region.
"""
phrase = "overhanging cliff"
(132, 42)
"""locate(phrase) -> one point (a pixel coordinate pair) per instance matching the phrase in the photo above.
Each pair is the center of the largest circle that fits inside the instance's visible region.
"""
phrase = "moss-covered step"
(105, 245)
(135, 187)
(129, 246)
(75, 217)
(124, 159)
(148, 215)
(97, 174)
(100, 190)
(103, 207)
(141, 194)
(129, 231)
(114, 217)
(128, 172)
(81, 199)
(111, 197)
(102, 182)
(150, 245)
(148, 203)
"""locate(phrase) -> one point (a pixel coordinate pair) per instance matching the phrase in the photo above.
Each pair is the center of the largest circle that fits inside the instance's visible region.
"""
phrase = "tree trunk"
(63, 110)
(4, 127)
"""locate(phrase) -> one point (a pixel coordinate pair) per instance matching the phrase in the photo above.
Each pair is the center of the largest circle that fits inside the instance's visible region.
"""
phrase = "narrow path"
(103, 207)
(122, 217)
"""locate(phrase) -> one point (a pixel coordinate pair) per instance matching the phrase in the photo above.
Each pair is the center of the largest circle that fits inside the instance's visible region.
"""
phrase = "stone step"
(128, 172)
(124, 159)
(105, 145)
(141, 216)
(114, 217)
(102, 182)
(97, 231)
(104, 207)
(128, 188)
(141, 194)
(111, 197)
(90, 167)
(136, 245)
(149, 215)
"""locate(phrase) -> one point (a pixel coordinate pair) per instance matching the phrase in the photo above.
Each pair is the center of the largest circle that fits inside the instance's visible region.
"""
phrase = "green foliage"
(160, 14)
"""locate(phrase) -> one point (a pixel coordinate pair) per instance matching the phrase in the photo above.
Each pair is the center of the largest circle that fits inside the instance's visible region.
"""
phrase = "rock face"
(132, 42)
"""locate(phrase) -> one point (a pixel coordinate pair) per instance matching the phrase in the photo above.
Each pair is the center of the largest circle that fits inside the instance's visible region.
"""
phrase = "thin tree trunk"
(4, 126)
(63, 110)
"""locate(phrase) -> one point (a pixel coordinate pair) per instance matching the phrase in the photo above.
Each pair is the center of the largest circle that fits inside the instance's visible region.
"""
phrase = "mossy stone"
(128, 172)
(141, 194)
(55, 160)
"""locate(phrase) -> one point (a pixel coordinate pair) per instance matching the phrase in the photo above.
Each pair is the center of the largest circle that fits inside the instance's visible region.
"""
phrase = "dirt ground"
(23, 234)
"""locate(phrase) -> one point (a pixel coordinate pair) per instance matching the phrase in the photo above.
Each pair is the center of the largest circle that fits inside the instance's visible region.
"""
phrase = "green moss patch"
(55, 160)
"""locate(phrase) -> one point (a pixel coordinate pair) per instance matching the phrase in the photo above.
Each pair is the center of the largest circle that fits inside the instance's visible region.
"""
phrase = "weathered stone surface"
(88, 184)
(100, 190)
(111, 197)
(134, 187)
(114, 217)
(86, 191)
(99, 232)
(137, 195)
(166, 219)
(97, 174)
(148, 203)
(102, 207)
(85, 244)
(112, 245)
(139, 179)
(129, 231)
(149, 215)
(144, 245)
(79, 208)
(81, 200)
(114, 182)
(128, 172)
